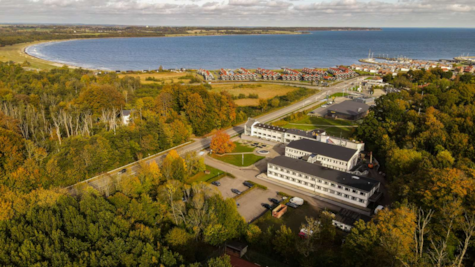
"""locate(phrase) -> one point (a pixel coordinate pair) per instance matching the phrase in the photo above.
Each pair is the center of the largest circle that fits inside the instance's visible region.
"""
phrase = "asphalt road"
(202, 143)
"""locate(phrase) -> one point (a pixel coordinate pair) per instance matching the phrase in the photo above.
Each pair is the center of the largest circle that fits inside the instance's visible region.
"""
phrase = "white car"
(324, 106)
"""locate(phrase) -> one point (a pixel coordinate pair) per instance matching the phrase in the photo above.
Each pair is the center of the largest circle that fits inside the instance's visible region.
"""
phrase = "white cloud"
(244, 12)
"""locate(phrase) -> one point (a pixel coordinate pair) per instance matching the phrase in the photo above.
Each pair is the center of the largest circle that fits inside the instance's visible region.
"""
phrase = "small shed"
(235, 248)
(279, 211)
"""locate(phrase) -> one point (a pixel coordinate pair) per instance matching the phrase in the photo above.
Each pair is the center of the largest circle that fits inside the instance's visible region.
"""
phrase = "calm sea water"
(318, 49)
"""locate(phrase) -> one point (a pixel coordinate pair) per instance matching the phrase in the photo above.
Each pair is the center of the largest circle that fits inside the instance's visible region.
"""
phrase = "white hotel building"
(341, 186)
(283, 135)
(328, 155)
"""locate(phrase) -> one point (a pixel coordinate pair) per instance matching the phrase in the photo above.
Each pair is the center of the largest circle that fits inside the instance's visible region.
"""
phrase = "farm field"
(264, 91)
(167, 77)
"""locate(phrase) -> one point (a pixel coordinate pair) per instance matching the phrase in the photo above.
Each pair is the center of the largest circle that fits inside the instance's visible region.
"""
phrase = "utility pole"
(242, 160)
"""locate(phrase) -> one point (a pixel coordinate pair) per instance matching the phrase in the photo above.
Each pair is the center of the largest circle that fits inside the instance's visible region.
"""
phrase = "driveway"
(250, 204)
(229, 183)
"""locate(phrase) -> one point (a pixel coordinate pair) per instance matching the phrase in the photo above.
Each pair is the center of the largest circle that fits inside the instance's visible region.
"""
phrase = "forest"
(61, 126)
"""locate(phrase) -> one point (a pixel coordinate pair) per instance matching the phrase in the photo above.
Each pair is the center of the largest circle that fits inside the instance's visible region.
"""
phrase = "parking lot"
(250, 205)
(229, 183)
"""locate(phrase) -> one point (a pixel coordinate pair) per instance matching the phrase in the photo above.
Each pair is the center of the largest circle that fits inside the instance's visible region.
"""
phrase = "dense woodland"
(61, 126)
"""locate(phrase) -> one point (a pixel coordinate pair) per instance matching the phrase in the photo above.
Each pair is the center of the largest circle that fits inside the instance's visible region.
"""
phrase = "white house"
(125, 116)
(342, 186)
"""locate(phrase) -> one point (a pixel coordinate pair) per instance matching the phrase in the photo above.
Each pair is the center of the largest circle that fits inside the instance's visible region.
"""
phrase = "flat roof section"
(343, 178)
(325, 149)
(349, 107)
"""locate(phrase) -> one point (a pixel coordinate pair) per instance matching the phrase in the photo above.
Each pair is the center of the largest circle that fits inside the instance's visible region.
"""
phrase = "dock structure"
(268, 74)
(206, 74)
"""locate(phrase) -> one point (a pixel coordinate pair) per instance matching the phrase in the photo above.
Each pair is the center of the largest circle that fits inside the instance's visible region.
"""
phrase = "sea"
(317, 49)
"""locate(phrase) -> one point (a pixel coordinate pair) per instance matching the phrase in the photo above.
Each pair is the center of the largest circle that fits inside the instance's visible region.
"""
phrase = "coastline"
(55, 64)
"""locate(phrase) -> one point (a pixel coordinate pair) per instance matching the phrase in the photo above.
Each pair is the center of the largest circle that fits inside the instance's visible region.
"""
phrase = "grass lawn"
(249, 159)
(329, 125)
(203, 177)
(265, 91)
(293, 218)
(242, 148)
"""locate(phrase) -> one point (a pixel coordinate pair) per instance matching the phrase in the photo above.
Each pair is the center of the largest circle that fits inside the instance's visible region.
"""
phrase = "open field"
(167, 77)
(264, 91)
(15, 53)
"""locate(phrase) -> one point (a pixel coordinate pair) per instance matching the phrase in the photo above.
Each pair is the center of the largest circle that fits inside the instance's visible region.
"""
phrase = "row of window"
(332, 161)
(318, 180)
(324, 189)
(269, 136)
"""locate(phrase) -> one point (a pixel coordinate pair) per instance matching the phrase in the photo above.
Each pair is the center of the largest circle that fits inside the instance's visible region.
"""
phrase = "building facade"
(334, 184)
(328, 155)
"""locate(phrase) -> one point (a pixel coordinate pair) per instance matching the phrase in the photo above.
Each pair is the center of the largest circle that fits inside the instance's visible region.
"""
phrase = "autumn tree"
(221, 143)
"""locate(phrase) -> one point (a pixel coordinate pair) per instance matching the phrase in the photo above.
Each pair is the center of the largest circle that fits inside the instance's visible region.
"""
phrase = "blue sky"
(352, 13)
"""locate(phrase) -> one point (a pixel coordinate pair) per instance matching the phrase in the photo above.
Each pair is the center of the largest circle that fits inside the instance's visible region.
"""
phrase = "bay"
(317, 49)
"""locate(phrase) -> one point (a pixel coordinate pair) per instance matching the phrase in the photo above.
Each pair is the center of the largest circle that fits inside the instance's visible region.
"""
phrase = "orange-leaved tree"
(221, 143)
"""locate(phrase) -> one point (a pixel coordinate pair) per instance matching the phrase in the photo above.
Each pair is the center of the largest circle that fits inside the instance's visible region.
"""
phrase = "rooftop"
(325, 149)
(349, 217)
(349, 107)
(343, 178)
(270, 127)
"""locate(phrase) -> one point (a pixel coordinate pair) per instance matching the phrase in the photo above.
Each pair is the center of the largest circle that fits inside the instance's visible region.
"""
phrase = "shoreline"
(59, 64)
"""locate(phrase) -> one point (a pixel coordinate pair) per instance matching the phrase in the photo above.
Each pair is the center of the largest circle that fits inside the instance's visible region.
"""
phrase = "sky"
(314, 13)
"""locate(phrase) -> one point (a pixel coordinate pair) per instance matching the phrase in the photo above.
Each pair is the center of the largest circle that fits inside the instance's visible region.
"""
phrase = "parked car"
(297, 201)
(267, 206)
(273, 200)
(292, 205)
(216, 183)
(248, 184)
(235, 191)
(123, 171)
(324, 106)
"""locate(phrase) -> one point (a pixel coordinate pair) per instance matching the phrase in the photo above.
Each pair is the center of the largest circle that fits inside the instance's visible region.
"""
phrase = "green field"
(240, 148)
(203, 177)
(331, 126)
(236, 159)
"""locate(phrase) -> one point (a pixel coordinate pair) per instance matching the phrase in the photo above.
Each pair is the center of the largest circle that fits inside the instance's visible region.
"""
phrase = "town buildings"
(206, 74)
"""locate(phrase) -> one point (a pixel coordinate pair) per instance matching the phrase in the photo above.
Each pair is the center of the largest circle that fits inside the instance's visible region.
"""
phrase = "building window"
(363, 194)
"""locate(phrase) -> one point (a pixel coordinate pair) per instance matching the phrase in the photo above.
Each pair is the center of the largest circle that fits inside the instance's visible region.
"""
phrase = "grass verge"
(249, 159)
(257, 185)
(240, 148)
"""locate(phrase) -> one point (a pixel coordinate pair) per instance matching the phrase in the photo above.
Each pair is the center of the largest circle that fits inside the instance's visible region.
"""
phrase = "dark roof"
(270, 127)
(320, 148)
(349, 107)
(300, 132)
(126, 112)
(349, 217)
(347, 179)
(236, 245)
